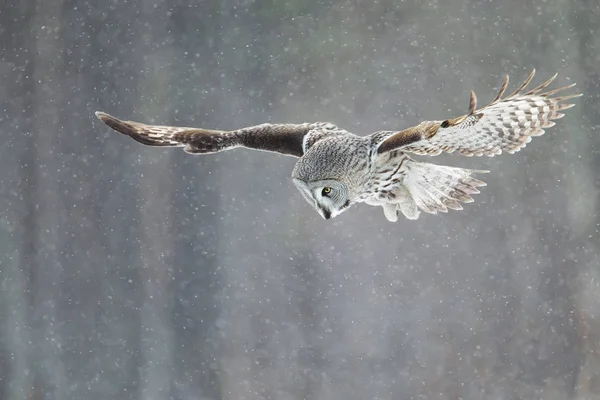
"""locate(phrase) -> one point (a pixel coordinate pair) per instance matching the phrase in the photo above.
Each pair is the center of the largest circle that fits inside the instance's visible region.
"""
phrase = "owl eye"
(326, 191)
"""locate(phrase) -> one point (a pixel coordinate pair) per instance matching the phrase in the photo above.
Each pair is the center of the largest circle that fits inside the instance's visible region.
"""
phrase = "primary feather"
(506, 124)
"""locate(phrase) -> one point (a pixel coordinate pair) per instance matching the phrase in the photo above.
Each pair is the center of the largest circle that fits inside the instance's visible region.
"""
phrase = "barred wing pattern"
(285, 139)
(506, 124)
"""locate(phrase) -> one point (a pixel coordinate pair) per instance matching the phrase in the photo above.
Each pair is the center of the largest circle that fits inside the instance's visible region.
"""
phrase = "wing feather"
(506, 124)
(285, 139)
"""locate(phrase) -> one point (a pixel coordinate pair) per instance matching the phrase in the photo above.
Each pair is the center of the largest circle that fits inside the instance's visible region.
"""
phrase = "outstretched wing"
(286, 139)
(506, 124)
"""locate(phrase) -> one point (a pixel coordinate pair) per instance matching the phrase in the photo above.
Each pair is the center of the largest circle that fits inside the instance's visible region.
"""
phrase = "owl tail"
(436, 188)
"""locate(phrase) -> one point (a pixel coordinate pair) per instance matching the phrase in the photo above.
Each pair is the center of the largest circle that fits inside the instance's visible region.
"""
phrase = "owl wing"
(285, 139)
(506, 124)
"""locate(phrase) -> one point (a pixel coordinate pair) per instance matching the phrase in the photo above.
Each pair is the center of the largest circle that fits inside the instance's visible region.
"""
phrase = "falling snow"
(138, 273)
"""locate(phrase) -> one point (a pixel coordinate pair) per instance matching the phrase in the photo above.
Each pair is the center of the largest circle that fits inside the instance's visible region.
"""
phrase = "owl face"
(329, 197)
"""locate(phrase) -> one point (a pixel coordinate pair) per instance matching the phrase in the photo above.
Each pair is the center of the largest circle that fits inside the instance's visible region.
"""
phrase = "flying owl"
(337, 169)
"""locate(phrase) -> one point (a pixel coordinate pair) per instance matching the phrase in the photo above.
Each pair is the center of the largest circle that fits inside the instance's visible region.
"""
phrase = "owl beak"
(326, 214)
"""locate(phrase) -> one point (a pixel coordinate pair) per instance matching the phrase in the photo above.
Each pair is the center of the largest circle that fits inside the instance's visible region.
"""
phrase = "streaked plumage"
(337, 169)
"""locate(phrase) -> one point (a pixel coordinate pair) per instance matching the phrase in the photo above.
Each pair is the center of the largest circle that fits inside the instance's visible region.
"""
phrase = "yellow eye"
(326, 191)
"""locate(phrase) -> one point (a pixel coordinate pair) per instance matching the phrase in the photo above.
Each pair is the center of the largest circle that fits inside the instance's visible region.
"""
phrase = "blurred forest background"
(128, 272)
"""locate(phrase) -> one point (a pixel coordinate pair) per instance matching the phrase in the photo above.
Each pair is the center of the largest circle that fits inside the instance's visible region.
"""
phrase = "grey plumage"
(337, 169)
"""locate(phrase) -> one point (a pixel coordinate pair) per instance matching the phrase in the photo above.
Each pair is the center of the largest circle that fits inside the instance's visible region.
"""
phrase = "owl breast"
(385, 185)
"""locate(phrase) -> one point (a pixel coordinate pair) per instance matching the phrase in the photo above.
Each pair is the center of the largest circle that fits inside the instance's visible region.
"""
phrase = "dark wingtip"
(115, 123)
(131, 129)
(106, 118)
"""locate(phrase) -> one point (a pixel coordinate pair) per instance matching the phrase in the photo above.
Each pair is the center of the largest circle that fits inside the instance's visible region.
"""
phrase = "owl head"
(328, 196)
(321, 175)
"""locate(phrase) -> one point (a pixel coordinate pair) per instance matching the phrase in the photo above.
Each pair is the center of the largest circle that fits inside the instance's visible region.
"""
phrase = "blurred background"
(128, 272)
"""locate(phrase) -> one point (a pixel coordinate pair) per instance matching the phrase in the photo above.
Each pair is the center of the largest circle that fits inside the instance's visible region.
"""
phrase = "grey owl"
(337, 169)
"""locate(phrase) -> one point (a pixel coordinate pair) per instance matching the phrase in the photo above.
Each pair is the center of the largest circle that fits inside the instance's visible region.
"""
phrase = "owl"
(336, 169)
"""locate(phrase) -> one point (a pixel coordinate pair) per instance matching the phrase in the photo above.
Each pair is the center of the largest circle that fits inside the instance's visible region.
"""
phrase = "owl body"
(336, 168)
(387, 185)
